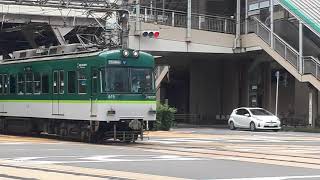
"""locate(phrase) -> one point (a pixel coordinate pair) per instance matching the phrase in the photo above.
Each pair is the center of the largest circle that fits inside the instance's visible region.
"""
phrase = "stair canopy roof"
(305, 10)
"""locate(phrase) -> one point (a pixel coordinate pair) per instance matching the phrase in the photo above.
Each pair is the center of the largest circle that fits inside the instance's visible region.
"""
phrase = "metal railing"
(179, 19)
(279, 45)
(311, 66)
(187, 118)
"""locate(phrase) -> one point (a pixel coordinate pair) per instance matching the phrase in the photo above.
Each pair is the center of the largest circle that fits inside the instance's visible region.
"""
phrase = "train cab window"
(20, 84)
(13, 84)
(82, 82)
(61, 82)
(55, 82)
(29, 82)
(37, 83)
(45, 83)
(1, 84)
(71, 82)
(117, 79)
(5, 84)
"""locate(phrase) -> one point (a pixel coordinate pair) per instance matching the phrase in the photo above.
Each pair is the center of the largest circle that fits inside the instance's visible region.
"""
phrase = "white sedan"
(253, 118)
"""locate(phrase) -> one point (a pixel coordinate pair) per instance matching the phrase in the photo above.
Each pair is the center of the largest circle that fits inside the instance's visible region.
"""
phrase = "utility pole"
(277, 92)
(189, 21)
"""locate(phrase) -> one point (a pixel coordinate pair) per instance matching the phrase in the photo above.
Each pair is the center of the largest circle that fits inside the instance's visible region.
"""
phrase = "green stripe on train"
(82, 101)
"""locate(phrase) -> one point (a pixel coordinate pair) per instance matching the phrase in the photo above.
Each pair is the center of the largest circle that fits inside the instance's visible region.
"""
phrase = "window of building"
(72, 82)
(20, 83)
(13, 84)
(45, 83)
(37, 83)
(82, 82)
(29, 82)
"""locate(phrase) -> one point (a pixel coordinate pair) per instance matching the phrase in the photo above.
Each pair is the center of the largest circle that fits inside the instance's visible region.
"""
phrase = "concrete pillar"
(312, 106)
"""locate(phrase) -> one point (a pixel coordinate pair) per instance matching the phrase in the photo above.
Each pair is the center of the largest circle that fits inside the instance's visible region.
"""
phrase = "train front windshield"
(128, 80)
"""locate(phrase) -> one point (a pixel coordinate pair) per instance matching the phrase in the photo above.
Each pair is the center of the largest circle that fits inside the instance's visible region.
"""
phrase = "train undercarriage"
(80, 130)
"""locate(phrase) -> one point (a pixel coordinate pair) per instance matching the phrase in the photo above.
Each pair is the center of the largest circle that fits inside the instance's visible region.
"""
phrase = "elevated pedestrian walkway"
(306, 11)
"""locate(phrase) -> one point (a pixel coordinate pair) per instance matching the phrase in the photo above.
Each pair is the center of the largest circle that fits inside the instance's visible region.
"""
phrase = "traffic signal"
(151, 34)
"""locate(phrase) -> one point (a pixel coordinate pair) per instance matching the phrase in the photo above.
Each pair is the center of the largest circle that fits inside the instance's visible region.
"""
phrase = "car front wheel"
(252, 126)
(231, 126)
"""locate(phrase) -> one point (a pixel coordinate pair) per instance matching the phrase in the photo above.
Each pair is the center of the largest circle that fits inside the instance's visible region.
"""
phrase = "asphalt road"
(179, 154)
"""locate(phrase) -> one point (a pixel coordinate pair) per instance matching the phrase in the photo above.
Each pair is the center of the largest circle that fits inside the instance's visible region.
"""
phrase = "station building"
(225, 54)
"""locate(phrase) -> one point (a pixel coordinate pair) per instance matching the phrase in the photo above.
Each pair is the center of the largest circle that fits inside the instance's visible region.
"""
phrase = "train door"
(58, 91)
(94, 91)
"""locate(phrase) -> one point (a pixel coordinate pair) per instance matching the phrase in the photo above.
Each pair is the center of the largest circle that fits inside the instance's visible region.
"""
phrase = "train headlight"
(125, 53)
(136, 54)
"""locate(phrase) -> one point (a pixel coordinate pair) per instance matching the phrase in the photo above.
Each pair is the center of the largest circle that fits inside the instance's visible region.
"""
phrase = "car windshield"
(260, 112)
(128, 80)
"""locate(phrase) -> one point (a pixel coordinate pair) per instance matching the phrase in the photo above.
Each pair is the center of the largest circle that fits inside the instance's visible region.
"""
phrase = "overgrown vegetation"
(165, 117)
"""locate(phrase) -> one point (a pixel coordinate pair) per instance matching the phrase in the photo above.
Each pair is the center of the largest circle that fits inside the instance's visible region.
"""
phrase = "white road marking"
(96, 159)
(275, 178)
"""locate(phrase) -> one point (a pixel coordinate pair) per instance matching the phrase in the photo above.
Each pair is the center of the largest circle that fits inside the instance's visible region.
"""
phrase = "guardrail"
(179, 19)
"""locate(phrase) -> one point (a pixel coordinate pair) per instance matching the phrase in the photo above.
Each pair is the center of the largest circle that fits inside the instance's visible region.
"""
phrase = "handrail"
(274, 34)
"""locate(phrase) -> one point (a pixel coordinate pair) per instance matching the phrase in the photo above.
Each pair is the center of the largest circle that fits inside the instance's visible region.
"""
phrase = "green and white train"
(90, 95)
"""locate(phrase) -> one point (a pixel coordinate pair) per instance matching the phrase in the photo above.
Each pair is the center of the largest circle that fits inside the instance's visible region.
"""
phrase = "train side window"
(29, 82)
(55, 82)
(13, 84)
(37, 83)
(61, 82)
(45, 84)
(6, 84)
(71, 82)
(82, 82)
(20, 84)
(103, 81)
(1, 84)
(95, 78)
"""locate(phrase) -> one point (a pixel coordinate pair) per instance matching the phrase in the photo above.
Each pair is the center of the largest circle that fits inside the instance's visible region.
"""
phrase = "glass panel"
(29, 79)
(6, 83)
(13, 84)
(82, 82)
(117, 79)
(61, 82)
(45, 83)
(71, 82)
(95, 81)
(20, 84)
(103, 81)
(37, 83)
(55, 82)
(1, 84)
(141, 80)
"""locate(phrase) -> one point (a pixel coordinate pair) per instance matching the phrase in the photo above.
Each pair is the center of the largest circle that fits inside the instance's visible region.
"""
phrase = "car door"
(246, 119)
(238, 118)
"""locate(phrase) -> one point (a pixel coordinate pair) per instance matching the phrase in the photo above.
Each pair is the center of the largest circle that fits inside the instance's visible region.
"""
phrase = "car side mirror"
(247, 115)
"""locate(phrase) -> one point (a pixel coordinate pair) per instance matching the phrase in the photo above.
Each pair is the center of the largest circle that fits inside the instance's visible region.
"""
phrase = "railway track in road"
(219, 153)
